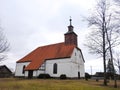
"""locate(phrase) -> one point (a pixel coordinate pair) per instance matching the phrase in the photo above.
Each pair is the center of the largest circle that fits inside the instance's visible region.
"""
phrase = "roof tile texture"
(41, 54)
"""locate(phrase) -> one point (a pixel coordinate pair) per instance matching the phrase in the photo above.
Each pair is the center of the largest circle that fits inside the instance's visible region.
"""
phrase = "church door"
(78, 75)
(30, 73)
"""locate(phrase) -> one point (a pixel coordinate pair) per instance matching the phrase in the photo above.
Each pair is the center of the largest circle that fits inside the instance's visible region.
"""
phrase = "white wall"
(19, 69)
(69, 66)
(77, 63)
(63, 67)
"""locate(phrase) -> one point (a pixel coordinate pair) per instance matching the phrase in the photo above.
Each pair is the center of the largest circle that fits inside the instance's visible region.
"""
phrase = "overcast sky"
(29, 24)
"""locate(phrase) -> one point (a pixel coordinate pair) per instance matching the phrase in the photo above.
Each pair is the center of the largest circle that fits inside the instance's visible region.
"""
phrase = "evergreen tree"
(110, 69)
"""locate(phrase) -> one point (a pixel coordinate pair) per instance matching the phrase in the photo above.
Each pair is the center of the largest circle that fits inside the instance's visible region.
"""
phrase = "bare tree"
(117, 1)
(117, 54)
(117, 61)
(105, 36)
(4, 45)
(117, 4)
(97, 43)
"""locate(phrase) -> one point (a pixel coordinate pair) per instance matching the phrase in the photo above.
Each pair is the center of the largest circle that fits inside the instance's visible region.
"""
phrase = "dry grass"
(52, 84)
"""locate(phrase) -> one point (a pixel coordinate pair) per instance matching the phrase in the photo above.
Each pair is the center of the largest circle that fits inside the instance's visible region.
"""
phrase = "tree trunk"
(104, 57)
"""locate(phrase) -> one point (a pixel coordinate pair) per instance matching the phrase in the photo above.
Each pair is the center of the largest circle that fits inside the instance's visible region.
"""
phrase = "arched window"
(55, 68)
(23, 71)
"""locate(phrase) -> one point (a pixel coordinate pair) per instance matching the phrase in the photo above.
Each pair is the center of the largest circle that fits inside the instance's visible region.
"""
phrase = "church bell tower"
(70, 36)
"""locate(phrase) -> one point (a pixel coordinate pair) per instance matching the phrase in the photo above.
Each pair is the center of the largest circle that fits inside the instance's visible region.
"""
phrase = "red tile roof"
(39, 55)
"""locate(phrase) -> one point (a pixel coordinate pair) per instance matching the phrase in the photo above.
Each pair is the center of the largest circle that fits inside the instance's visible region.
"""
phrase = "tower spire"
(70, 27)
(70, 21)
(70, 36)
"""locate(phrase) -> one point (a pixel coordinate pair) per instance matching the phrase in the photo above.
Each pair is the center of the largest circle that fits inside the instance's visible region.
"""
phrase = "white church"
(54, 59)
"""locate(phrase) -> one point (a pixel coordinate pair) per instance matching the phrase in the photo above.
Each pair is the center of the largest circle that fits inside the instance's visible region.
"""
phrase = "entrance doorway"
(30, 73)
(78, 75)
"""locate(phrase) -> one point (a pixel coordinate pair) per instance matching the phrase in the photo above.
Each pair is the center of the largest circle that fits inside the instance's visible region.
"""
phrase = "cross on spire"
(70, 27)
(70, 21)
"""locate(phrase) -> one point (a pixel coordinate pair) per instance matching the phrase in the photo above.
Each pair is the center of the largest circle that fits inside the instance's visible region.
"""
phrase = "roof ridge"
(51, 44)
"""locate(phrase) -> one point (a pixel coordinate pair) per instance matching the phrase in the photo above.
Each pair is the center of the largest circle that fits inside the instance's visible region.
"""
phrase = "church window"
(55, 68)
(23, 71)
(75, 54)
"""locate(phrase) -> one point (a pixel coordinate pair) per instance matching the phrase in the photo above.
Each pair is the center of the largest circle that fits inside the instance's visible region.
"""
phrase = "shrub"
(44, 76)
(63, 76)
(87, 75)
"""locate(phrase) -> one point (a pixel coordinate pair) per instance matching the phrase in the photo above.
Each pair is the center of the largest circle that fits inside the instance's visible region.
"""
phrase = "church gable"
(77, 56)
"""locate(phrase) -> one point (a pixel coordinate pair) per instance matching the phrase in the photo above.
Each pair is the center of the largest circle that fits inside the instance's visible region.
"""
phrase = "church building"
(54, 59)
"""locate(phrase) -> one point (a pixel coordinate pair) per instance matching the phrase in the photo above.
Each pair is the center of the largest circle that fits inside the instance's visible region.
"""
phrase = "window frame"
(23, 71)
(55, 67)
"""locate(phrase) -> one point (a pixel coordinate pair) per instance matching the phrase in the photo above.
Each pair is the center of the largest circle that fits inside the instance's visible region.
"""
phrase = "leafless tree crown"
(4, 45)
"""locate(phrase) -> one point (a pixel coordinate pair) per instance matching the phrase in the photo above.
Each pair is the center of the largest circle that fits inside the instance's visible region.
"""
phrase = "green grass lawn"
(53, 84)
